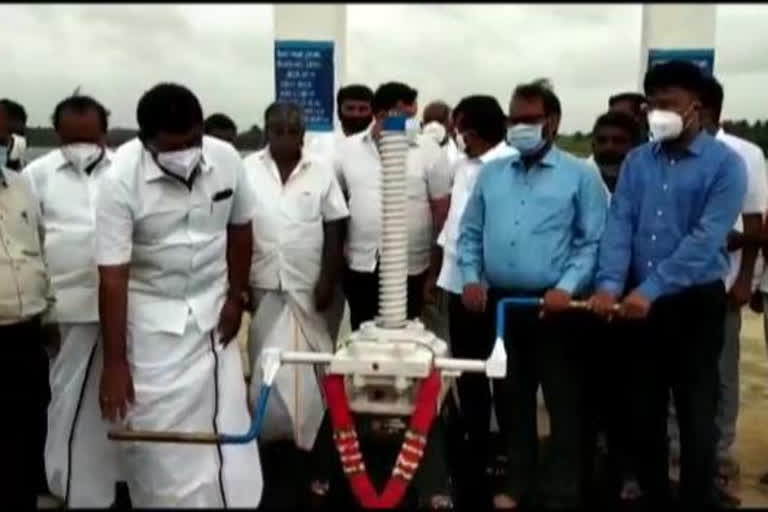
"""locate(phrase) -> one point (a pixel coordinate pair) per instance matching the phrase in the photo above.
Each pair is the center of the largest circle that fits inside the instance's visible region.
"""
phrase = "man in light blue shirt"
(531, 228)
(675, 203)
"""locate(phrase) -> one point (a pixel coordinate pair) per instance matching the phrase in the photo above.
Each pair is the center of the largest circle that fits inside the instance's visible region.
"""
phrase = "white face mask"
(82, 154)
(665, 124)
(461, 143)
(19, 147)
(412, 129)
(436, 131)
(181, 163)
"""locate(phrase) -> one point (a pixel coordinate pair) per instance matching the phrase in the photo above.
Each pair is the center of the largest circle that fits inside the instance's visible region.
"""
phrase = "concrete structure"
(676, 27)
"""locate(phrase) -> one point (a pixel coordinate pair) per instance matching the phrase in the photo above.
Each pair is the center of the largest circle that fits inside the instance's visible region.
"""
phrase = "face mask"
(181, 163)
(526, 138)
(412, 129)
(353, 125)
(82, 155)
(665, 124)
(435, 131)
(461, 143)
(18, 148)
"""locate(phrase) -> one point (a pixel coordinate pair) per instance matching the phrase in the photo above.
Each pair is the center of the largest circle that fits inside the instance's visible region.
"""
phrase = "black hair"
(219, 122)
(15, 111)
(675, 73)
(622, 121)
(390, 94)
(170, 108)
(80, 105)
(484, 115)
(712, 96)
(283, 108)
(540, 89)
(355, 92)
(637, 100)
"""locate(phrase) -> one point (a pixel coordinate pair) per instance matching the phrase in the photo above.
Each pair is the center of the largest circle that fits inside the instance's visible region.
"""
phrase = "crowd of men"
(130, 271)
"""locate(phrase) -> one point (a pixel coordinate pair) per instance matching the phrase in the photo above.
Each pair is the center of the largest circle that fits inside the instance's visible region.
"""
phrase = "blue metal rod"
(515, 302)
(259, 412)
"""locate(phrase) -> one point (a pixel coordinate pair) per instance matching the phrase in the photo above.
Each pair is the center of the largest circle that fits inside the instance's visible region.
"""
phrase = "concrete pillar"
(316, 23)
(678, 31)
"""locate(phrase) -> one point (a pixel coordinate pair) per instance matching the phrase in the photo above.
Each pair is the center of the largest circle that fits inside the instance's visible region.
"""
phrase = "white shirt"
(67, 198)
(358, 168)
(466, 171)
(288, 228)
(174, 238)
(756, 199)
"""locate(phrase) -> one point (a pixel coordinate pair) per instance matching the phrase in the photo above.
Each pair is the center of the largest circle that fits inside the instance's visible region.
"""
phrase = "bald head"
(285, 130)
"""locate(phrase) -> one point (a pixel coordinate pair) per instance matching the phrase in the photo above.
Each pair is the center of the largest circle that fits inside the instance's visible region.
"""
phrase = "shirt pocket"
(551, 213)
(303, 206)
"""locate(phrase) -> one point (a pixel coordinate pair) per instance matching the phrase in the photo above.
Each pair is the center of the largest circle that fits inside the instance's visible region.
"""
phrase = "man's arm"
(335, 215)
(615, 249)
(469, 247)
(695, 251)
(591, 211)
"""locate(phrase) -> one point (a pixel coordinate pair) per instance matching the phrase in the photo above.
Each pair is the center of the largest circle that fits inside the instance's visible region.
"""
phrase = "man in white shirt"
(174, 246)
(297, 263)
(17, 142)
(481, 129)
(738, 282)
(358, 167)
(220, 126)
(438, 113)
(81, 463)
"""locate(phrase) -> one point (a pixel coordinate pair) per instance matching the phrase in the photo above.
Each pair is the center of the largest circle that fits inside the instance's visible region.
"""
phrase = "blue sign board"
(304, 75)
(704, 58)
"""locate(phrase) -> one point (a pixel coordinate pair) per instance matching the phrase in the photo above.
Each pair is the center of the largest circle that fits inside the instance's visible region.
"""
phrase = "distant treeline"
(251, 140)
(578, 143)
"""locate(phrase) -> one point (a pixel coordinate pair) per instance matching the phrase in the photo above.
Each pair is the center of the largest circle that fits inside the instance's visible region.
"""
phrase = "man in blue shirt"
(531, 228)
(675, 203)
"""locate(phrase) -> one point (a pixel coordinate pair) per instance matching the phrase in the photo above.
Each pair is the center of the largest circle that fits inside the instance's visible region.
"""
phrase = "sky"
(224, 53)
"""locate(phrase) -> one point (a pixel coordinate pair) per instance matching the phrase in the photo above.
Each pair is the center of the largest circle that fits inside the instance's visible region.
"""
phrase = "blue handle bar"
(259, 411)
(516, 302)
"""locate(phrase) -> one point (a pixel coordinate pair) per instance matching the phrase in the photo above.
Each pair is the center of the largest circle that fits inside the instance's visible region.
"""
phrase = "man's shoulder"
(219, 151)
(745, 148)
(43, 164)
(16, 182)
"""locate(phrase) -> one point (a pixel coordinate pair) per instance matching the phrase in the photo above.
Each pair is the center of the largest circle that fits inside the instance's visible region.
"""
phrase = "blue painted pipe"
(512, 302)
(259, 411)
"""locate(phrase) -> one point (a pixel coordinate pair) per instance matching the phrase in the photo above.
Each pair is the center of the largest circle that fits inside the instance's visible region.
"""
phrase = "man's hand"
(735, 240)
(116, 390)
(740, 294)
(430, 289)
(323, 294)
(635, 306)
(556, 301)
(51, 339)
(475, 297)
(602, 304)
(756, 302)
(229, 319)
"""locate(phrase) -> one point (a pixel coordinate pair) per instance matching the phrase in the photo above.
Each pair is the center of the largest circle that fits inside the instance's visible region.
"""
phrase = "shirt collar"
(694, 148)
(499, 150)
(269, 164)
(550, 159)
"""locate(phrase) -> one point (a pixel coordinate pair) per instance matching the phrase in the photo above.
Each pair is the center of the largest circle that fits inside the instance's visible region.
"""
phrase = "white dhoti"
(81, 463)
(288, 320)
(189, 383)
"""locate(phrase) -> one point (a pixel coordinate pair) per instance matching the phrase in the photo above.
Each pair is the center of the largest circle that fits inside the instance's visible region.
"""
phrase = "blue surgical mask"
(526, 138)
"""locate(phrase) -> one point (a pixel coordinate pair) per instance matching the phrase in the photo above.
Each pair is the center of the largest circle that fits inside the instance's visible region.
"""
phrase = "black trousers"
(24, 399)
(362, 291)
(472, 337)
(608, 391)
(681, 343)
(548, 352)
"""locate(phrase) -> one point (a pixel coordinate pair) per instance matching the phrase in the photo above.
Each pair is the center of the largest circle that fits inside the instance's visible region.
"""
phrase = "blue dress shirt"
(670, 216)
(533, 229)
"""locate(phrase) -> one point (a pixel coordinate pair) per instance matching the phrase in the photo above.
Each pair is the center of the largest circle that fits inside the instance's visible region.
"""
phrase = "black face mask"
(353, 125)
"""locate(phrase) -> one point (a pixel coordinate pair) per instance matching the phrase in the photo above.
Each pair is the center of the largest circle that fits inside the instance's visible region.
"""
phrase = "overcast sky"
(224, 54)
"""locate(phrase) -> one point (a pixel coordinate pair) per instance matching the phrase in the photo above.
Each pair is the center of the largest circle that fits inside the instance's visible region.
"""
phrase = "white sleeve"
(244, 198)
(756, 199)
(334, 205)
(114, 222)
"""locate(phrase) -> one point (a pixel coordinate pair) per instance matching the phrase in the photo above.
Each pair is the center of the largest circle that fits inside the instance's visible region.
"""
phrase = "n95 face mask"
(82, 155)
(181, 163)
(665, 124)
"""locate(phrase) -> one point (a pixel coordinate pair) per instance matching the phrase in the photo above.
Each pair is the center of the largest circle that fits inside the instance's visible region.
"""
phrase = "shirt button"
(653, 238)
(659, 213)
(512, 244)
(522, 202)
(517, 223)
(665, 187)
(650, 264)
